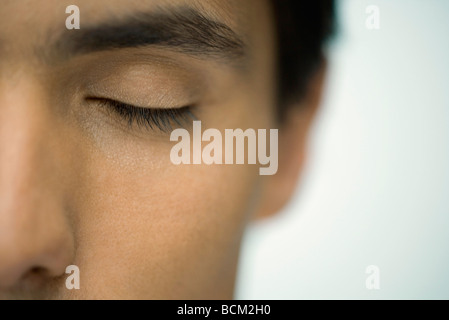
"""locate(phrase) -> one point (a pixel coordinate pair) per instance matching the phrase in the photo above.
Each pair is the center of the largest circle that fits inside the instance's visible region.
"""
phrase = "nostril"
(36, 270)
(35, 275)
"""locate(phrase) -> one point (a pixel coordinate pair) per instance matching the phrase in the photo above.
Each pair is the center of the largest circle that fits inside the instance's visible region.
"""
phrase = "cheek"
(147, 228)
(161, 230)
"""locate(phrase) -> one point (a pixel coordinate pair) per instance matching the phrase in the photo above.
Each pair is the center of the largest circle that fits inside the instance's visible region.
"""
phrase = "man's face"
(82, 184)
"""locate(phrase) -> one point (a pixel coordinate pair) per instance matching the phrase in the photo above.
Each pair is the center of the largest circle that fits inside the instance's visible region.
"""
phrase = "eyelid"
(163, 119)
(144, 84)
(114, 101)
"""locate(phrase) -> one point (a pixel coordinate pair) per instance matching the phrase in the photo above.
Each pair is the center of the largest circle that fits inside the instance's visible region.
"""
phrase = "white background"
(376, 187)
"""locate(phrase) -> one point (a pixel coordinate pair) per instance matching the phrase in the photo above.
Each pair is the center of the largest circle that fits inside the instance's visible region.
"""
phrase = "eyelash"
(148, 118)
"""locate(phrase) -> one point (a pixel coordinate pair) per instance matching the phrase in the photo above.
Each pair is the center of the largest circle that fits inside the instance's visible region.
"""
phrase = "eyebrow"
(184, 30)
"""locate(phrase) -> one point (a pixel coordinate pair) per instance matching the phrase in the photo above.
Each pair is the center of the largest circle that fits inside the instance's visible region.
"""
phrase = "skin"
(80, 187)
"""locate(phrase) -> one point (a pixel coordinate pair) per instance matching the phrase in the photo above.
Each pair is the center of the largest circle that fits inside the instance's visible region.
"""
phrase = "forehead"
(33, 20)
(30, 28)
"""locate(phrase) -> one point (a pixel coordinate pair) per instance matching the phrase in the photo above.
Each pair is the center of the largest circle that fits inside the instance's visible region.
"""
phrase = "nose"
(35, 234)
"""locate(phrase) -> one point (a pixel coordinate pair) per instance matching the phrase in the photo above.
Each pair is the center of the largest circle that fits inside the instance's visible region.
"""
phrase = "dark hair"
(302, 29)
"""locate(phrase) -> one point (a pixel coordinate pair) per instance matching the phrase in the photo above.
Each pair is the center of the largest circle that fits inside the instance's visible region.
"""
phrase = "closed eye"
(149, 118)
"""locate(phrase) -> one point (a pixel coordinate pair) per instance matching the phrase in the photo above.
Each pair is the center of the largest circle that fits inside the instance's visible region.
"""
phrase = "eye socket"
(148, 118)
